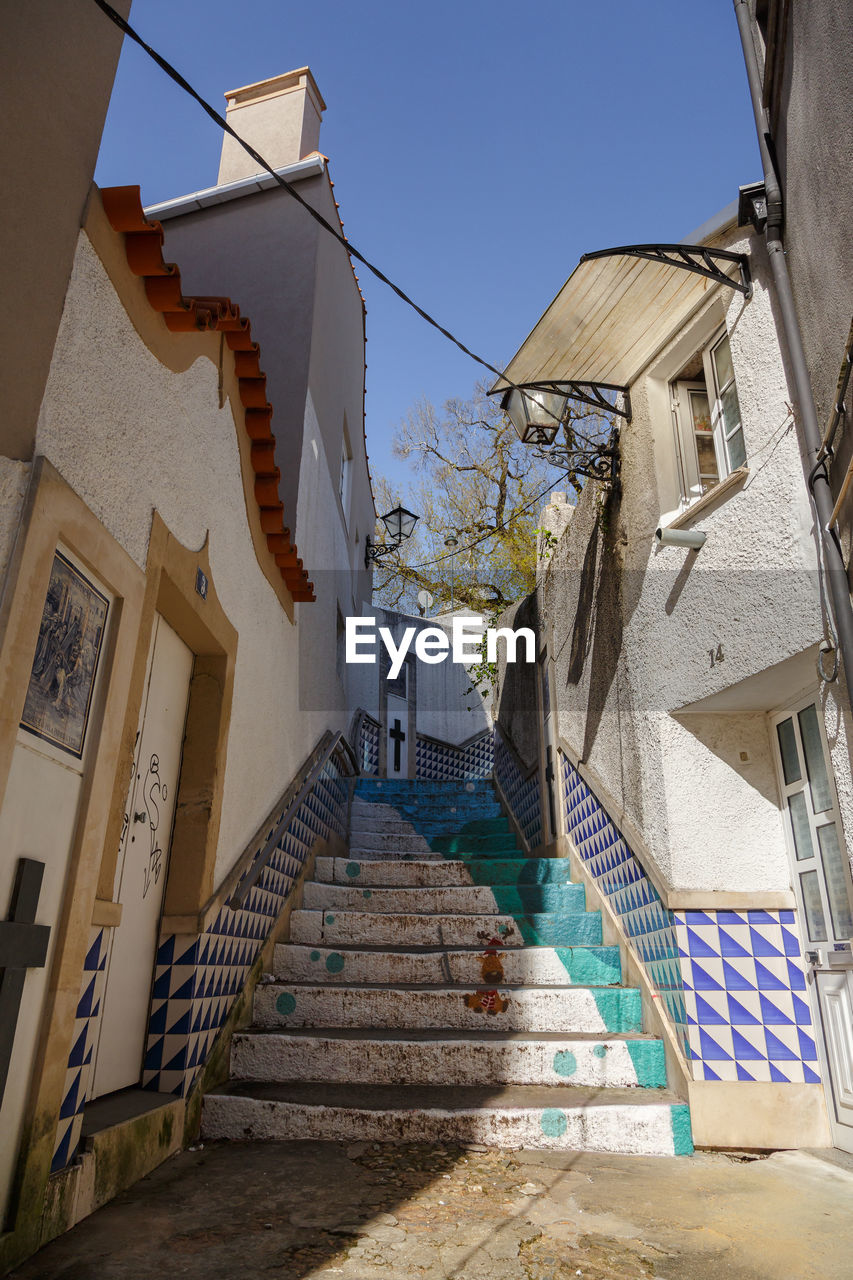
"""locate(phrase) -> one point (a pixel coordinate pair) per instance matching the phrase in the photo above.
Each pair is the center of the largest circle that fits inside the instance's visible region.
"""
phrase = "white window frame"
(690, 477)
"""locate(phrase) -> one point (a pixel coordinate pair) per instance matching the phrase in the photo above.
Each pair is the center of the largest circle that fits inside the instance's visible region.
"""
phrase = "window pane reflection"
(835, 875)
(815, 922)
(815, 759)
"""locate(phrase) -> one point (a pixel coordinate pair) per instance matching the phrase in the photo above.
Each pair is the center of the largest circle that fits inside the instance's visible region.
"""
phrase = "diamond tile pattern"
(442, 761)
(433, 759)
(198, 976)
(732, 982)
(522, 792)
(78, 1073)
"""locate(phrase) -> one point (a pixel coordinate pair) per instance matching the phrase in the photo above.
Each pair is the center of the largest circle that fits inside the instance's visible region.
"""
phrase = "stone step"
(463, 843)
(423, 1058)
(574, 1009)
(375, 928)
(451, 900)
(567, 1118)
(415, 841)
(438, 808)
(422, 788)
(524, 966)
(441, 824)
(441, 872)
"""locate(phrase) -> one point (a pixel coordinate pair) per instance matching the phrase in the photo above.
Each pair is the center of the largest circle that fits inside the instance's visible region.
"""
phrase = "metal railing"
(331, 744)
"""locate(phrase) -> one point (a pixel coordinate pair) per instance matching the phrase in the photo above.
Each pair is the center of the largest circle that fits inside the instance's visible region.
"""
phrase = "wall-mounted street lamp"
(536, 414)
(399, 525)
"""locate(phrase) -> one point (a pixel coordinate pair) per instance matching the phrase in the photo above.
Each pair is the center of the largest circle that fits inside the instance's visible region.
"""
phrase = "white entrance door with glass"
(822, 880)
(143, 861)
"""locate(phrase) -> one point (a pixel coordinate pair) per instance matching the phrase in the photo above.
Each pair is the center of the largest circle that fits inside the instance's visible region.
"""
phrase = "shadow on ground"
(313, 1211)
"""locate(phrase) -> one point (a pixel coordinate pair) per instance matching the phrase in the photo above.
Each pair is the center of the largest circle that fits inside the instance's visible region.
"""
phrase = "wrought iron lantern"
(399, 525)
(536, 414)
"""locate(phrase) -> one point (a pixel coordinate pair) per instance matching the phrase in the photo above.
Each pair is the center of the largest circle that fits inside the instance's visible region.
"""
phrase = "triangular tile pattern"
(197, 977)
(443, 762)
(646, 921)
(522, 793)
(78, 1073)
(368, 746)
(732, 982)
(748, 1013)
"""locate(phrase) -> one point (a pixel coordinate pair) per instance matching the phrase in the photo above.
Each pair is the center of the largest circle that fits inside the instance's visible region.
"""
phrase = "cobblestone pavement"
(319, 1211)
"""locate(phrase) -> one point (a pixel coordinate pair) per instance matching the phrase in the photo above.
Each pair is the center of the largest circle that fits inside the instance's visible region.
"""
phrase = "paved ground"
(314, 1211)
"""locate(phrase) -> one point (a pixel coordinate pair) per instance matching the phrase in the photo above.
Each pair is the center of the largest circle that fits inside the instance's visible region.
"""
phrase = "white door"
(143, 860)
(821, 874)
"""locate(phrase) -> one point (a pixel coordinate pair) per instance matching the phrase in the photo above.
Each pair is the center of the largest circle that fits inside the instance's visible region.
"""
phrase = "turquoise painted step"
(488, 871)
(472, 827)
(579, 1010)
(352, 928)
(448, 899)
(521, 966)
(473, 844)
(443, 813)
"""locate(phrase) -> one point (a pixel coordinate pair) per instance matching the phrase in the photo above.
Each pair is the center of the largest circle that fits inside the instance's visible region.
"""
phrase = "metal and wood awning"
(616, 310)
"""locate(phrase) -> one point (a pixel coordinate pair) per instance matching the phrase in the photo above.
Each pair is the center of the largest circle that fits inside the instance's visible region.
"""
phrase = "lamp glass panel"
(392, 523)
(407, 522)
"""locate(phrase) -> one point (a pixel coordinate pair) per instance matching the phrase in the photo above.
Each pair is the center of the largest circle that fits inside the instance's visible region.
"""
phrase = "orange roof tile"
(143, 242)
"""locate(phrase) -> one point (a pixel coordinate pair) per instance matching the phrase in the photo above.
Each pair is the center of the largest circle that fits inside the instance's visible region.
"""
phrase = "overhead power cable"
(175, 75)
(427, 564)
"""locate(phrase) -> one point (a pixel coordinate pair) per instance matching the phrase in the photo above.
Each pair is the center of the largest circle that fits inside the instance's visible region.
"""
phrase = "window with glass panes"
(706, 414)
(821, 866)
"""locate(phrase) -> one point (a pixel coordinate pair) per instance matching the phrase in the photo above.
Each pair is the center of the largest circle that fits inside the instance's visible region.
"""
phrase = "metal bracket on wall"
(688, 257)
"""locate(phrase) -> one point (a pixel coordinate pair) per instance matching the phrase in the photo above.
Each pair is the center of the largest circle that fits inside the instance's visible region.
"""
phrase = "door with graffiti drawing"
(143, 860)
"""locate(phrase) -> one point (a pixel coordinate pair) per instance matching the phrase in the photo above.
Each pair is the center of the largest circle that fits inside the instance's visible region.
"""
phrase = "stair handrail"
(331, 744)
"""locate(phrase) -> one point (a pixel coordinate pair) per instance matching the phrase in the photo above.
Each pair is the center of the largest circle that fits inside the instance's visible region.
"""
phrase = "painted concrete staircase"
(440, 986)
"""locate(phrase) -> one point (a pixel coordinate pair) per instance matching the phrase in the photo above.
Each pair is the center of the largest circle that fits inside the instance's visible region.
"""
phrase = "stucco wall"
(14, 478)
(130, 436)
(58, 63)
(642, 635)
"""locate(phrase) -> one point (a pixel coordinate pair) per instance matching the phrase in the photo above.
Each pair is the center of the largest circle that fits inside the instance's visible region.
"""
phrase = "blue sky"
(478, 147)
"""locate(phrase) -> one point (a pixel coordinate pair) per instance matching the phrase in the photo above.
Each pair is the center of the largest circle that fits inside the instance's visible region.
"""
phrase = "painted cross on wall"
(23, 946)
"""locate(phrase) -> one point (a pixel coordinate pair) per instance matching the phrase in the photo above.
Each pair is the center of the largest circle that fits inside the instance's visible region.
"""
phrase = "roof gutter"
(832, 570)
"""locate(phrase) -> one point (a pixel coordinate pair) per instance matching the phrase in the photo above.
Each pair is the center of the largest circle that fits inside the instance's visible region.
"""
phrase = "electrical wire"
(219, 119)
(427, 564)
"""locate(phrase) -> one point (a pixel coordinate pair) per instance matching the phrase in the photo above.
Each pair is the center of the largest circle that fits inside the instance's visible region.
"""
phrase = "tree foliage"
(473, 478)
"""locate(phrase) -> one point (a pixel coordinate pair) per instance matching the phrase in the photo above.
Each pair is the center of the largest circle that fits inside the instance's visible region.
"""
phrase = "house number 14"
(717, 655)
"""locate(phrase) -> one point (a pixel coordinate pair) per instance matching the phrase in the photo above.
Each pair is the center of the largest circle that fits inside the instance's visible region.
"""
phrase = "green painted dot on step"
(315, 955)
(565, 1063)
(365, 893)
(334, 962)
(554, 1122)
(330, 919)
(286, 1003)
(599, 1051)
(353, 869)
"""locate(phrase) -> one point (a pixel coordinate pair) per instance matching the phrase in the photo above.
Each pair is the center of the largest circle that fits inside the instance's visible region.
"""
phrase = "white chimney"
(280, 118)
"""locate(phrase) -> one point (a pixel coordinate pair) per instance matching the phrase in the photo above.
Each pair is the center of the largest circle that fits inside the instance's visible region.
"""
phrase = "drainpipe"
(814, 460)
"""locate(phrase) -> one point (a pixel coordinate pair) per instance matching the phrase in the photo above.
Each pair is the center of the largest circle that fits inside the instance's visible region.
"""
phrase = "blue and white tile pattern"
(732, 982)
